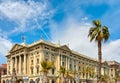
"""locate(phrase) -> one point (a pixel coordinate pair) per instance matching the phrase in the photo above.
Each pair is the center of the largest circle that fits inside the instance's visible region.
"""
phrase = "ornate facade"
(114, 67)
(26, 60)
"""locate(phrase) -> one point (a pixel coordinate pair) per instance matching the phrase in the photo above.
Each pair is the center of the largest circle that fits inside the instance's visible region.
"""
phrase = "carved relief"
(16, 47)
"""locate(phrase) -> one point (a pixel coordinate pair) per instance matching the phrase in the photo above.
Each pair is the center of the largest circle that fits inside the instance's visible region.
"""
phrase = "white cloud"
(76, 34)
(111, 51)
(5, 46)
(22, 12)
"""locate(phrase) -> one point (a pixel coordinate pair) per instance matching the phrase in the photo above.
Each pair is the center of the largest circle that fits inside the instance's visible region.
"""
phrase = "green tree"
(46, 66)
(99, 33)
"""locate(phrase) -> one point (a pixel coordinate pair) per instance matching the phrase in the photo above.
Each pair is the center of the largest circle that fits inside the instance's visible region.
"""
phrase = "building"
(3, 70)
(113, 68)
(26, 61)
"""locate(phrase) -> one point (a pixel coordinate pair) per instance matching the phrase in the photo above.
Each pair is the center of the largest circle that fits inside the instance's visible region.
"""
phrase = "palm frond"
(97, 23)
(49, 65)
(46, 66)
(62, 70)
(106, 33)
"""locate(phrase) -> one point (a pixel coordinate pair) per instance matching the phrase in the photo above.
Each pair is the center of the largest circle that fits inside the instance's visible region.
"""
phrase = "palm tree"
(87, 70)
(105, 78)
(67, 75)
(46, 66)
(74, 75)
(62, 72)
(99, 33)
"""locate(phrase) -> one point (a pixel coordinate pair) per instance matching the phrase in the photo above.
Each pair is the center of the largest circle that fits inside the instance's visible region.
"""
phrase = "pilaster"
(19, 64)
(16, 64)
(24, 63)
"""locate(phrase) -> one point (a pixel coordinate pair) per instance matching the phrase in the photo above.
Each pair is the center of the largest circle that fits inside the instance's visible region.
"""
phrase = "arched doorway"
(31, 81)
(37, 80)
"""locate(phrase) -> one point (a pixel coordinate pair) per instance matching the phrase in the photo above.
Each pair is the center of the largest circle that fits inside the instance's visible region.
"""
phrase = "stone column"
(34, 63)
(59, 64)
(72, 64)
(61, 59)
(16, 64)
(25, 64)
(7, 67)
(66, 62)
(11, 65)
(19, 64)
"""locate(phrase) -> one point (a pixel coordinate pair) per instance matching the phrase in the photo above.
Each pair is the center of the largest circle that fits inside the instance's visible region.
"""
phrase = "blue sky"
(64, 20)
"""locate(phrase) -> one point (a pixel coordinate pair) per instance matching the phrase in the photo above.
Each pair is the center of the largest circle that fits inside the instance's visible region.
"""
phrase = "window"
(62, 63)
(70, 67)
(63, 56)
(52, 55)
(37, 52)
(79, 67)
(53, 71)
(74, 67)
(37, 70)
(31, 62)
(37, 60)
(4, 72)
(46, 53)
(31, 70)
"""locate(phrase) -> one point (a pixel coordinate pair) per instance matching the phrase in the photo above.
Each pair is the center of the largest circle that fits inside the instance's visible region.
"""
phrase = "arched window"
(53, 71)
(31, 62)
(38, 70)
(37, 60)
(31, 70)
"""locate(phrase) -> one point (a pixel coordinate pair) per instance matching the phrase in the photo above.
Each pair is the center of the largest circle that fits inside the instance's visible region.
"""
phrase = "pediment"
(65, 47)
(16, 47)
(105, 63)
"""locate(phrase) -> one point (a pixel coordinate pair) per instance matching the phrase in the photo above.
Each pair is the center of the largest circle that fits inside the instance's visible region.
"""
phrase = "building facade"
(26, 60)
(114, 67)
(3, 70)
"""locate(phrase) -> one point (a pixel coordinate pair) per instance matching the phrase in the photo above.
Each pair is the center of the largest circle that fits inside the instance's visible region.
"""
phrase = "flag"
(23, 38)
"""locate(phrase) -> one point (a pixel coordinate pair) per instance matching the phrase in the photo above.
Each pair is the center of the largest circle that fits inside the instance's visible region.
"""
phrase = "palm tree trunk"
(63, 78)
(45, 78)
(99, 60)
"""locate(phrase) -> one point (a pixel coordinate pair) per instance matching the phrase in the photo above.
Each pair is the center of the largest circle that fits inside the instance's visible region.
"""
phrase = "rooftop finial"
(59, 42)
(23, 38)
(41, 37)
(68, 44)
